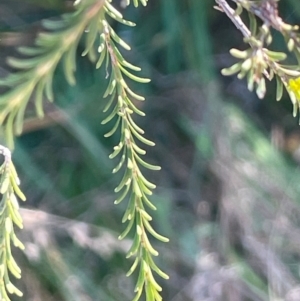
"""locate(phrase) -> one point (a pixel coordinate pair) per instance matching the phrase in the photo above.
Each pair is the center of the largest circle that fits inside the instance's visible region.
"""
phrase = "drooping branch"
(9, 216)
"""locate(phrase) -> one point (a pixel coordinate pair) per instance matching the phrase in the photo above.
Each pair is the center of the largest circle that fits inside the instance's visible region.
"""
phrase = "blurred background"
(228, 195)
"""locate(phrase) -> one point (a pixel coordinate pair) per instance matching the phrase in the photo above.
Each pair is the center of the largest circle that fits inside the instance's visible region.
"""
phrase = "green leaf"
(279, 88)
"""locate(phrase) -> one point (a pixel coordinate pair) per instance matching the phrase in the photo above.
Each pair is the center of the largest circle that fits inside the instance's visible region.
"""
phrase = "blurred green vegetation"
(228, 194)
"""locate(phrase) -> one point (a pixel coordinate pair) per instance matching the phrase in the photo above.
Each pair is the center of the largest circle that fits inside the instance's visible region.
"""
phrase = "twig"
(240, 25)
(236, 20)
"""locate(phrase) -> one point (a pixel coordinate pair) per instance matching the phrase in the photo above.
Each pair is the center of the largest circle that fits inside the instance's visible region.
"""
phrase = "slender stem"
(236, 20)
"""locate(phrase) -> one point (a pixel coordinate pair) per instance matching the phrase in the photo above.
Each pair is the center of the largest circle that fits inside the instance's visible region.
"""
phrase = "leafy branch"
(9, 215)
(36, 69)
(33, 80)
(133, 182)
(259, 63)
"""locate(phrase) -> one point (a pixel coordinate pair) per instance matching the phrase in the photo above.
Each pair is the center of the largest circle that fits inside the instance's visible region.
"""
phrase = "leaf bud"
(261, 88)
(276, 56)
(247, 64)
(290, 72)
(231, 70)
(238, 53)
(269, 39)
(291, 44)
(265, 29)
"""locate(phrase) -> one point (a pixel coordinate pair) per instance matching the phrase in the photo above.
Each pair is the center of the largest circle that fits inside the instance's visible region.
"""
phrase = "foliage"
(34, 78)
(258, 62)
(9, 216)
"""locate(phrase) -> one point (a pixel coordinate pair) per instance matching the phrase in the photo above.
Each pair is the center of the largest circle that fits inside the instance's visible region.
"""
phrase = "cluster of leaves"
(32, 80)
(9, 215)
(259, 63)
